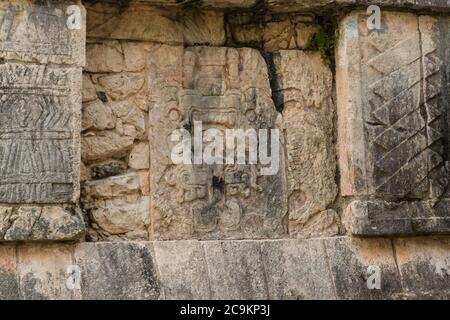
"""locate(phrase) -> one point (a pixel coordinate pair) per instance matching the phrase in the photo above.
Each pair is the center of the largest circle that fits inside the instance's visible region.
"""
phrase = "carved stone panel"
(393, 128)
(42, 45)
(38, 145)
(223, 88)
(38, 31)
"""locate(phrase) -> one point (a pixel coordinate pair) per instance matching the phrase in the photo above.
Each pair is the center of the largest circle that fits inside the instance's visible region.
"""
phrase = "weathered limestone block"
(89, 92)
(9, 284)
(393, 130)
(124, 270)
(224, 88)
(139, 156)
(39, 140)
(351, 261)
(121, 86)
(304, 92)
(42, 271)
(235, 270)
(272, 32)
(142, 22)
(42, 54)
(118, 207)
(424, 265)
(127, 217)
(105, 144)
(297, 269)
(38, 32)
(183, 269)
(97, 115)
(115, 56)
(40, 223)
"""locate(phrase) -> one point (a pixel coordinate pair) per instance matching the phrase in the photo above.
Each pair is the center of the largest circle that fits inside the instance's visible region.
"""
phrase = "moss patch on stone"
(324, 40)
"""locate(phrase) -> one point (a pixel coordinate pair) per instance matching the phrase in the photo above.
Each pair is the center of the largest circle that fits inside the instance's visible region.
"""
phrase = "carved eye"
(175, 115)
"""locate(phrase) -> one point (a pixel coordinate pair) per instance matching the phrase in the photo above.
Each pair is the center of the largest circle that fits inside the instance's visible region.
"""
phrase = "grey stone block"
(183, 270)
(117, 271)
(236, 269)
(424, 265)
(382, 218)
(349, 261)
(297, 269)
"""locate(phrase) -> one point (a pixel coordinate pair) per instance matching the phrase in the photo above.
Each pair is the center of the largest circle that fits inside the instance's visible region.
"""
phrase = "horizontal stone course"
(302, 5)
(323, 268)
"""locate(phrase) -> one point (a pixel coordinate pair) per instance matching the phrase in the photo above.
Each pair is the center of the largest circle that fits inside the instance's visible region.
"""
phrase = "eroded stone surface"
(183, 270)
(38, 32)
(9, 284)
(304, 92)
(326, 268)
(42, 271)
(117, 271)
(271, 32)
(223, 88)
(424, 265)
(147, 23)
(40, 223)
(297, 269)
(350, 260)
(118, 207)
(393, 130)
(236, 270)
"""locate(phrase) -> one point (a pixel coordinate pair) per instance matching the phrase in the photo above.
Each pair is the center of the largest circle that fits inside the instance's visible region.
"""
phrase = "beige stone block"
(105, 144)
(148, 23)
(43, 273)
(97, 115)
(139, 156)
(305, 89)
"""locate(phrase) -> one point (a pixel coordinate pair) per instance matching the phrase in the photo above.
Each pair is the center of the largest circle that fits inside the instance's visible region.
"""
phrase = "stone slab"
(424, 265)
(42, 271)
(297, 269)
(303, 91)
(31, 223)
(183, 270)
(117, 271)
(393, 129)
(384, 218)
(9, 283)
(40, 139)
(349, 261)
(236, 270)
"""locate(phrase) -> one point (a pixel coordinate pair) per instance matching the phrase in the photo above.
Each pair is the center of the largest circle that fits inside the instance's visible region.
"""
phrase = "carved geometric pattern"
(36, 135)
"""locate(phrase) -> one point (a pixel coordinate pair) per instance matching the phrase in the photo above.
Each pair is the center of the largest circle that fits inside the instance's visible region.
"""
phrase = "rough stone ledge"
(315, 6)
(383, 218)
(41, 223)
(323, 268)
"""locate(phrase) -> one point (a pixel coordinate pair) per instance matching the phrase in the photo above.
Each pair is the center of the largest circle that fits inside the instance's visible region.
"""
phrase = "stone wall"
(87, 180)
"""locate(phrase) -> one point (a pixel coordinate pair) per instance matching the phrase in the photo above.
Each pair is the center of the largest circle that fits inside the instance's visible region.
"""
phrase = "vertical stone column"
(41, 59)
(393, 130)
